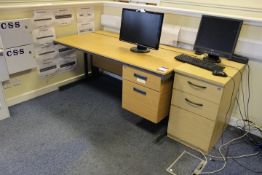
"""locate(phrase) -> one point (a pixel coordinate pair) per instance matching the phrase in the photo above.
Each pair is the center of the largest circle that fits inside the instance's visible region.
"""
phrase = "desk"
(108, 45)
(147, 91)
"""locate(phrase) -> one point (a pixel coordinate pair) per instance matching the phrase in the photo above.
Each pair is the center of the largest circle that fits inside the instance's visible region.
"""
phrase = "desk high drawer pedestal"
(146, 94)
(201, 105)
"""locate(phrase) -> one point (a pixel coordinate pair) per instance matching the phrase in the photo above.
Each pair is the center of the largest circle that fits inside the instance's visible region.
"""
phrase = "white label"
(46, 49)
(85, 14)
(43, 18)
(67, 62)
(85, 27)
(63, 16)
(44, 35)
(162, 69)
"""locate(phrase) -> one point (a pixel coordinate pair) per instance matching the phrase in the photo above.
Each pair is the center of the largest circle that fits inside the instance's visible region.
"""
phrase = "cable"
(222, 155)
(248, 85)
(237, 157)
(242, 89)
(244, 118)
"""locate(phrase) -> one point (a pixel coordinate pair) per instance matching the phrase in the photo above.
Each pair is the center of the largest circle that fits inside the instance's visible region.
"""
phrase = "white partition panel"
(4, 112)
(3, 67)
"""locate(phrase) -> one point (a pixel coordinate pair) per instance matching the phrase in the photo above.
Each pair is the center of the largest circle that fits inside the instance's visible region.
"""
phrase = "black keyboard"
(199, 63)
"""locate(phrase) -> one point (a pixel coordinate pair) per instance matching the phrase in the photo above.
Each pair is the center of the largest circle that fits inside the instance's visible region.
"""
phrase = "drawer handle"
(198, 86)
(140, 76)
(139, 91)
(193, 103)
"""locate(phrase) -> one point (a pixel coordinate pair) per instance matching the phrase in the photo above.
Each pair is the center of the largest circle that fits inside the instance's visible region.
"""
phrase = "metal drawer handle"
(140, 76)
(139, 91)
(198, 86)
(194, 103)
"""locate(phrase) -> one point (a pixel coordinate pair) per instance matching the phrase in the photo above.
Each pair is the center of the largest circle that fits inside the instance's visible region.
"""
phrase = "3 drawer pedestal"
(199, 111)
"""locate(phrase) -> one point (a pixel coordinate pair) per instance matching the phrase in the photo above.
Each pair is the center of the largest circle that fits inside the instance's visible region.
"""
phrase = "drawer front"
(194, 104)
(190, 128)
(142, 78)
(198, 88)
(140, 100)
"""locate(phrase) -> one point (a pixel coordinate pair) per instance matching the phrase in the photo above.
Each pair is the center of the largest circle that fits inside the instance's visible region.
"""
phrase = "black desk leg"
(86, 64)
(90, 70)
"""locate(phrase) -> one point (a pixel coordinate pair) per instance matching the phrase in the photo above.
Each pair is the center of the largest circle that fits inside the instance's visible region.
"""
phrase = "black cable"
(248, 86)
(243, 96)
(245, 119)
(242, 117)
(250, 137)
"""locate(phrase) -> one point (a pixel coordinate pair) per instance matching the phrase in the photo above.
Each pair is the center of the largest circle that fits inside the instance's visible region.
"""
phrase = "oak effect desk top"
(107, 44)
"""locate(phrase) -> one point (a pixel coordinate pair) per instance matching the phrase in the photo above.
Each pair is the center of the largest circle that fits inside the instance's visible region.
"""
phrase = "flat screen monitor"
(142, 28)
(217, 37)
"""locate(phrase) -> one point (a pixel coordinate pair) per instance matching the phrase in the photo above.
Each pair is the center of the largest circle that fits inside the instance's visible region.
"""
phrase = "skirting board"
(234, 122)
(42, 91)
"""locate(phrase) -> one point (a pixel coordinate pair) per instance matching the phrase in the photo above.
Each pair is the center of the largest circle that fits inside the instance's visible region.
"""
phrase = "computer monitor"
(142, 28)
(217, 37)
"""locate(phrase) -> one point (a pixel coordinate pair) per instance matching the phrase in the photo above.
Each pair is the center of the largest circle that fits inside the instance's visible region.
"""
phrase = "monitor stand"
(213, 58)
(140, 49)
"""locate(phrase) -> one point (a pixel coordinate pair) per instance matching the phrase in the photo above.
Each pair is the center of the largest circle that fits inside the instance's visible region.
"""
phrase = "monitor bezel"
(215, 52)
(159, 29)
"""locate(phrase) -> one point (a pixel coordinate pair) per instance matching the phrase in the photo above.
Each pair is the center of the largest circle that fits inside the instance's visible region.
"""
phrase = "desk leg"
(90, 71)
(86, 58)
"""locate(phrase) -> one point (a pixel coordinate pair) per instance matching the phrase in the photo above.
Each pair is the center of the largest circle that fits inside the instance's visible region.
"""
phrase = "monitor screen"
(141, 28)
(217, 36)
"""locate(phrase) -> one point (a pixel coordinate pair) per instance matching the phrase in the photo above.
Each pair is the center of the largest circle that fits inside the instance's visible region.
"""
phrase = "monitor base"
(212, 58)
(140, 49)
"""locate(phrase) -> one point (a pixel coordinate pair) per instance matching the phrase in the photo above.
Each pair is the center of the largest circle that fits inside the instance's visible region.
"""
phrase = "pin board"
(16, 36)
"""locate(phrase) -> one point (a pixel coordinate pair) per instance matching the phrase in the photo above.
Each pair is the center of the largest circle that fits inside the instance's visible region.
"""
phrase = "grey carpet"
(82, 130)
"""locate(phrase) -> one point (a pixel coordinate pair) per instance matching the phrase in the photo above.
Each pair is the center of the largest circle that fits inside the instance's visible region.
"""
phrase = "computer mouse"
(219, 73)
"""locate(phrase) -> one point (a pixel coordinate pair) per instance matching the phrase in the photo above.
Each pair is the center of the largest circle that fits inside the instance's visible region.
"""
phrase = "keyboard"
(199, 63)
